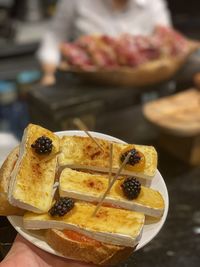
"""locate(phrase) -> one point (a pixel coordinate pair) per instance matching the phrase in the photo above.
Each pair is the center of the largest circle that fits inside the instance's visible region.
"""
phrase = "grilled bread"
(5, 172)
(32, 179)
(90, 187)
(78, 247)
(82, 153)
(109, 225)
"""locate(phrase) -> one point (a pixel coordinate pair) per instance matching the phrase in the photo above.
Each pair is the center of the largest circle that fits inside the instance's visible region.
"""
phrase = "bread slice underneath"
(86, 250)
(5, 208)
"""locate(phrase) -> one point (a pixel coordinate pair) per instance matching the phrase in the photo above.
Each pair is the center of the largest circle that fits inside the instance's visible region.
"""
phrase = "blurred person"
(111, 17)
(24, 254)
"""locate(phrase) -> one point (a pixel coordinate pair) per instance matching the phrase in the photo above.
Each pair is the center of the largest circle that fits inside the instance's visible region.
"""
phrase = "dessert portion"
(32, 179)
(82, 153)
(126, 193)
(110, 225)
(80, 222)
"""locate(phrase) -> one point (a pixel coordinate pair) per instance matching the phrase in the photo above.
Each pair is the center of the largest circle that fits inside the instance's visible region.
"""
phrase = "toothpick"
(83, 127)
(79, 123)
(111, 184)
(94, 140)
(110, 162)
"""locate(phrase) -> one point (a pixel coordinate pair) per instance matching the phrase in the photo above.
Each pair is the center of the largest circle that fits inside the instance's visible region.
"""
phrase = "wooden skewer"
(94, 140)
(80, 124)
(111, 184)
(83, 127)
(110, 163)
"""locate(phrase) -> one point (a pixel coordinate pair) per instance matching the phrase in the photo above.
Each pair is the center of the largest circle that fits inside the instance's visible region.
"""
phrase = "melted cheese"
(81, 152)
(110, 225)
(90, 187)
(32, 180)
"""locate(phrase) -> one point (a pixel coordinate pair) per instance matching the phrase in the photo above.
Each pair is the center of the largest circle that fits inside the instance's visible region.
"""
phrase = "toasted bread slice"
(81, 248)
(90, 187)
(5, 172)
(32, 179)
(110, 225)
(82, 153)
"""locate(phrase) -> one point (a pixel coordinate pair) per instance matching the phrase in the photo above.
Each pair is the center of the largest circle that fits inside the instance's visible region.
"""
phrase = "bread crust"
(5, 171)
(103, 254)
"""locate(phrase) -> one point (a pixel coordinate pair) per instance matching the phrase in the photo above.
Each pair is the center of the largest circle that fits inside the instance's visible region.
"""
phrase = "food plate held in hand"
(58, 221)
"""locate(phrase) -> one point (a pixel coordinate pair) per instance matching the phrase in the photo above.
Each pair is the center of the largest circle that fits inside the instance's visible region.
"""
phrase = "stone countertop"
(178, 243)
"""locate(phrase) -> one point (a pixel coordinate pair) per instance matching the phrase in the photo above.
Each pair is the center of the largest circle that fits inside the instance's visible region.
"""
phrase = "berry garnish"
(43, 145)
(62, 206)
(131, 188)
(133, 159)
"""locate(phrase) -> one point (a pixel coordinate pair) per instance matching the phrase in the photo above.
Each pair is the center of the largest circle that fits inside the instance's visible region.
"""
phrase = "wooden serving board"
(146, 74)
(178, 114)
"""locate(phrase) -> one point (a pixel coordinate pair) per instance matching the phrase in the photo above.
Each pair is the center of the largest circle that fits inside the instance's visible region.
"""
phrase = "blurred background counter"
(22, 24)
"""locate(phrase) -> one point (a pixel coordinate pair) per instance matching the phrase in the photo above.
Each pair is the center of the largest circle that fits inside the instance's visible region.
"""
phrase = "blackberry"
(62, 206)
(43, 145)
(133, 159)
(131, 187)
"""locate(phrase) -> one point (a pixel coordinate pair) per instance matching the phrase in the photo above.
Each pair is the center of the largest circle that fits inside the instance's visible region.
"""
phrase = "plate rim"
(32, 239)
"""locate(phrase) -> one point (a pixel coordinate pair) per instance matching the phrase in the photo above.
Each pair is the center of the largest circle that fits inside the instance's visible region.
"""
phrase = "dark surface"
(11, 67)
(178, 243)
(56, 106)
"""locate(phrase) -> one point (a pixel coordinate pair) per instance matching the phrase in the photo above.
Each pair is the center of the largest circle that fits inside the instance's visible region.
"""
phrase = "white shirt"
(77, 17)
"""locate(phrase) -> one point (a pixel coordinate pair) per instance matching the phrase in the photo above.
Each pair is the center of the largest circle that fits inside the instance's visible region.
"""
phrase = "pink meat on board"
(135, 50)
(171, 41)
(91, 52)
(76, 56)
(100, 50)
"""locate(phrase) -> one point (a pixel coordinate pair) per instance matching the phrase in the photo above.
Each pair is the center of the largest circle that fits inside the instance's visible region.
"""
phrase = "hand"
(49, 71)
(23, 254)
(48, 80)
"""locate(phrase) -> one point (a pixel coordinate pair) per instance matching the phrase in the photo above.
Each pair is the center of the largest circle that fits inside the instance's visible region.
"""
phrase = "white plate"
(149, 231)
